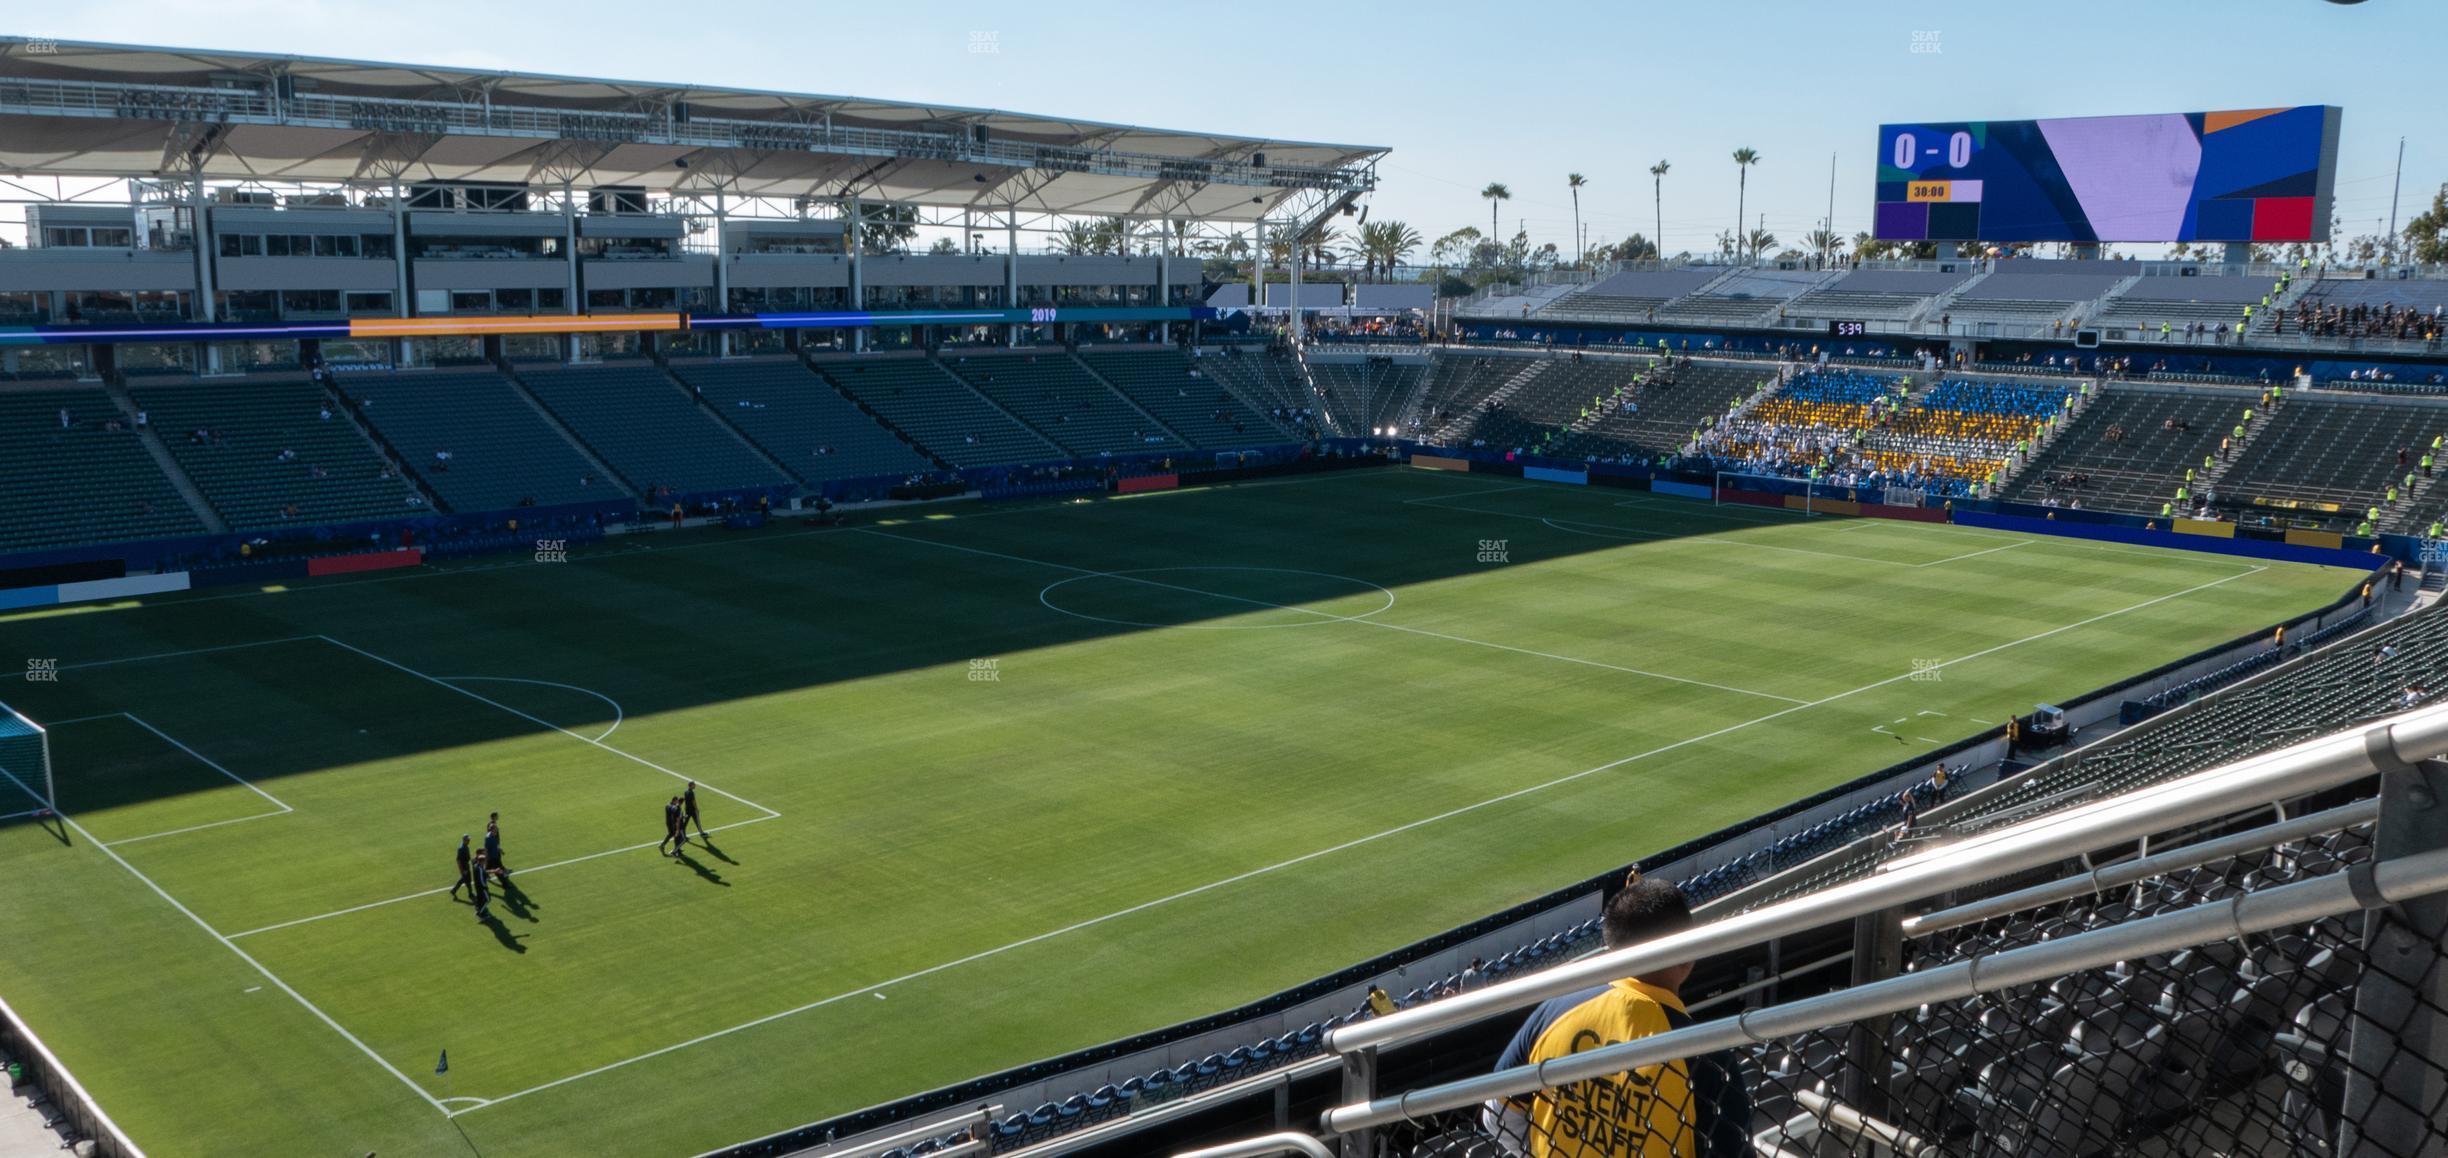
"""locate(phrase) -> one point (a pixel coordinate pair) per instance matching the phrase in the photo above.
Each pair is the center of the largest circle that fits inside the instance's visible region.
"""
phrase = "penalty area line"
(232, 946)
(1304, 858)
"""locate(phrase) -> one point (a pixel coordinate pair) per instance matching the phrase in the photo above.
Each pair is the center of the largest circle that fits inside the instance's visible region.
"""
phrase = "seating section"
(268, 454)
(1167, 385)
(2396, 308)
(1629, 296)
(83, 484)
(633, 418)
(1263, 379)
(502, 453)
(2129, 449)
(1058, 396)
(2033, 297)
(940, 411)
(800, 420)
(1876, 294)
(1368, 394)
(1666, 411)
(1857, 429)
(2181, 302)
(2340, 452)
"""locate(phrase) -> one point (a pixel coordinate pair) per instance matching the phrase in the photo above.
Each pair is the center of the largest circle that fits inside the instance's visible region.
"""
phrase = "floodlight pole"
(2389, 241)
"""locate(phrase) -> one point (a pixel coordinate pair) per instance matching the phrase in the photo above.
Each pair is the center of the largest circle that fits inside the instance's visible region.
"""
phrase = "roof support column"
(201, 223)
(569, 253)
(858, 275)
(722, 274)
(399, 268)
(1011, 273)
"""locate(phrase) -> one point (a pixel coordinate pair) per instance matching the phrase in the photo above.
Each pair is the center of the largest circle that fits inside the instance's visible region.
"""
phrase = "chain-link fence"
(2313, 1040)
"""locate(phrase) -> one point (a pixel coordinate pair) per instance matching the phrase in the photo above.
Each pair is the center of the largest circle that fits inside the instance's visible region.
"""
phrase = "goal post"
(25, 760)
(1760, 489)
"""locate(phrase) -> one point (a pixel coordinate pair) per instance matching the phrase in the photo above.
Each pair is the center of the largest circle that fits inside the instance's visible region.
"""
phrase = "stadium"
(1131, 650)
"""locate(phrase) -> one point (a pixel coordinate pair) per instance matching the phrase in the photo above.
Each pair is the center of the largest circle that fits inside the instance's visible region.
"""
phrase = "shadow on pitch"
(502, 933)
(707, 843)
(518, 902)
(699, 867)
(51, 823)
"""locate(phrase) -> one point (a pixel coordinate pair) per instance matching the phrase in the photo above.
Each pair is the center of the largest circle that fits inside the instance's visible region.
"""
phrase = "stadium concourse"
(1956, 704)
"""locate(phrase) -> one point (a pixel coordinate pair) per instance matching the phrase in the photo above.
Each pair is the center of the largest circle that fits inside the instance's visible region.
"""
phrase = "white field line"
(189, 651)
(482, 699)
(520, 873)
(1329, 851)
(279, 806)
(1977, 554)
(628, 550)
(226, 943)
(1432, 500)
(1090, 573)
(617, 714)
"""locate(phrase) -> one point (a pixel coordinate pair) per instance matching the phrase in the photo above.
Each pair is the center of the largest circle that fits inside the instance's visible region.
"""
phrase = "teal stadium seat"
(801, 420)
(502, 451)
(81, 485)
(643, 426)
(1199, 408)
(940, 411)
(1065, 403)
(333, 476)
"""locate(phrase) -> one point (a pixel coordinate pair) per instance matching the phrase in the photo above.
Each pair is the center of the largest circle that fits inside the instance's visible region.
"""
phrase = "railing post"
(1878, 954)
(1359, 1085)
(2395, 1077)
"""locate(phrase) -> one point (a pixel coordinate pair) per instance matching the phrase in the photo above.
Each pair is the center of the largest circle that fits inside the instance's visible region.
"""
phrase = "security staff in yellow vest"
(1688, 1108)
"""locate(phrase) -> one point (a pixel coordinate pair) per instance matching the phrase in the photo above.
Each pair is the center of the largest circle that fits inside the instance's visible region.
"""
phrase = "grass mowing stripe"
(522, 872)
(226, 943)
(629, 756)
(1304, 858)
(1359, 619)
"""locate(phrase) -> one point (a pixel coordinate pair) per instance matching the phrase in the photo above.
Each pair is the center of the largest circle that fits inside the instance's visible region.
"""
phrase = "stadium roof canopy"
(118, 111)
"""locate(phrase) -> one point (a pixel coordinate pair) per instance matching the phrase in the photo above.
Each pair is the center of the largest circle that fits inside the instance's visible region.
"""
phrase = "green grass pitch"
(991, 783)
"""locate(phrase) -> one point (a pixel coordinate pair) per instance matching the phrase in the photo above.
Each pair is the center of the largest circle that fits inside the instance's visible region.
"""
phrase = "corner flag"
(443, 1066)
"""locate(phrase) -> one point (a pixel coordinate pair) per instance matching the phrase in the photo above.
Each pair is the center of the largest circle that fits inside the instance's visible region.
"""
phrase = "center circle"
(1179, 581)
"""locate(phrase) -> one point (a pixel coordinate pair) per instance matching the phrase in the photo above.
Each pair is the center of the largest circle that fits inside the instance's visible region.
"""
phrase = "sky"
(1463, 94)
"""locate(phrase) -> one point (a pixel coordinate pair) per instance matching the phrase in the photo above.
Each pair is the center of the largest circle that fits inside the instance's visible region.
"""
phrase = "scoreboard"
(2265, 175)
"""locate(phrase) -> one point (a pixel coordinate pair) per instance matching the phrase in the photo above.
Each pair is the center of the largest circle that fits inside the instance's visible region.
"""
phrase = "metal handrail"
(2383, 745)
(872, 1147)
(2100, 880)
(1287, 1143)
(2286, 906)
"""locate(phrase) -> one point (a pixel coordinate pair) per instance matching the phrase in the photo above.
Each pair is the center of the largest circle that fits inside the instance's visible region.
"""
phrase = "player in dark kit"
(481, 891)
(492, 848)
(466, 857)
(675, 832)
(688, 809)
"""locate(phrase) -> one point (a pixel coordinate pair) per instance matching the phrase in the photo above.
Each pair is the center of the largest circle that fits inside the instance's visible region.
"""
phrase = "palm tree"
(1383, 245)
(1574, 182)
(1657, 199)
(1744, 158)
(1826, 243)
(1760, 241)
(1496, 195)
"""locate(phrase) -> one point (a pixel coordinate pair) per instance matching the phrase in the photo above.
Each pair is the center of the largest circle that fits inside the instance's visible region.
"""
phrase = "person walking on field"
(480, 891)
(688, 812)
(492, 848)
(675, 828)
(466, 859)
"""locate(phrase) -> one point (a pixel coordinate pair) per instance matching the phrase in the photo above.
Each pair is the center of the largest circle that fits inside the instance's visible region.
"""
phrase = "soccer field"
(987, 784)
